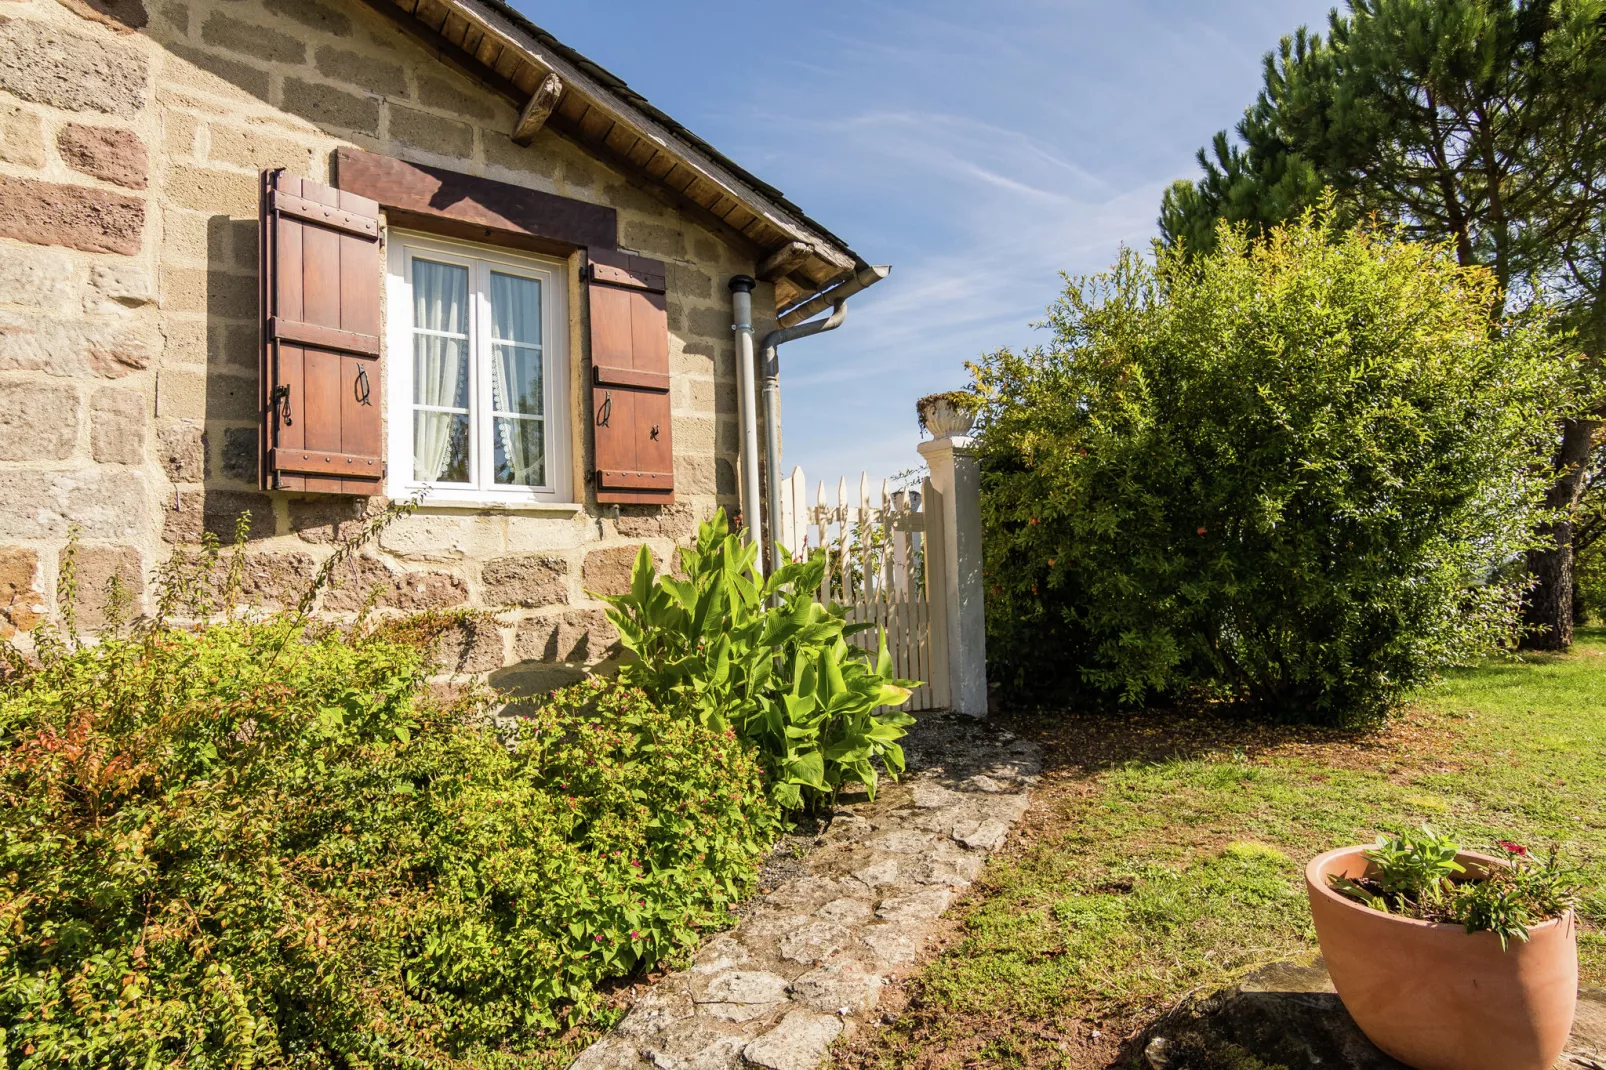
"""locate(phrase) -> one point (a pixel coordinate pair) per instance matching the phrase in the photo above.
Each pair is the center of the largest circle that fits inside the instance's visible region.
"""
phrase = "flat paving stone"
(810, 957)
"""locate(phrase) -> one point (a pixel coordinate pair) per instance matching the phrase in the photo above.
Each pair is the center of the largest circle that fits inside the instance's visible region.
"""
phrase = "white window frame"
(481, 261)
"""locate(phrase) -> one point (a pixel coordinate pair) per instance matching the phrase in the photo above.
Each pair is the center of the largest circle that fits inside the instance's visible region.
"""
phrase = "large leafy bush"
(1288, 472)
(763, 657)
(253, 843)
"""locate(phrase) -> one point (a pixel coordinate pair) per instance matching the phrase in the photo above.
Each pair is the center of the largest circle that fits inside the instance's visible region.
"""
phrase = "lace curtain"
(516, 380)
(440, 369)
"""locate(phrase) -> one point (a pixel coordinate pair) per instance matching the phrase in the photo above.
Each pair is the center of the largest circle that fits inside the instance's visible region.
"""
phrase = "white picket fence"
(885, 561)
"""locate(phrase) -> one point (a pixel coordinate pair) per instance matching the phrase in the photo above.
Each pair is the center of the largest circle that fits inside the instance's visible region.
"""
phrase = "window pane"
(440, 297)
(520, 452)
(516, 379)
(440, 447)
(440, 371)
(515, 309)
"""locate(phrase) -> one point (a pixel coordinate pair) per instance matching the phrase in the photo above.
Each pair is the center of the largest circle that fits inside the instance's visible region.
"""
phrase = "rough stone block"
(893, 945)
(430, 132)
(22, 599)
(69, 69)
(117, 421)
(328, 106)
(845, 987)
(38, 421)
(445, 537)
(655, 239)
(740, 986)
(243, 76)
(124, 16)
(81, 348)
(814, 942)
(211, 190)
(177, 15)
(251, 39)
(22, 141)
(112, 155)
(607, 571)
(987, 835)
(49, 213)
(105, 503)
(365, 579)
(923, 905)
(114, 288)
(690, 282)
(454, 97)
(473, 644)
(365, 72)
(312, 14)
(580, 637)
(326, 520)
(39, 278)
(97, 566)
(709, 322)
(271, 579)
(240, 454)
(502, 151)
(529, 580)
(181, 447)
(656, 521)
(194, 512)
(250, 147)
(798, 1043)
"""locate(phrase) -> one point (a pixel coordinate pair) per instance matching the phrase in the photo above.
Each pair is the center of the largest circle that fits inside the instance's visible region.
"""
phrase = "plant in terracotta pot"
(1450, 959)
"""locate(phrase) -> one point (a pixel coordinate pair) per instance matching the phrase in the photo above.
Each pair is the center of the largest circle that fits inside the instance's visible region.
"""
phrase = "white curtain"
(516, 379)
(440, 366)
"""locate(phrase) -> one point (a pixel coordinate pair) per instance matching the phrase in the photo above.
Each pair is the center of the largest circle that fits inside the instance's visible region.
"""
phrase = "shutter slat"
(634, 460)
(629, 377)
(339, 464)
(318, 211)
(643, 480)
(321, 339)
(309, 334)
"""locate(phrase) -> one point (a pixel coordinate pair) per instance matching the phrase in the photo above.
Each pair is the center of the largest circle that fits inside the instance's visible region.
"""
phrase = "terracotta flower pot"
(1436, 997)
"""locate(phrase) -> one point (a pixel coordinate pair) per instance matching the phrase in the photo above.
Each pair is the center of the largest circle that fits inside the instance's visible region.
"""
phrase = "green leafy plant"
(1416, 874)
(236, 842)
(762, 657)
(1293, 473)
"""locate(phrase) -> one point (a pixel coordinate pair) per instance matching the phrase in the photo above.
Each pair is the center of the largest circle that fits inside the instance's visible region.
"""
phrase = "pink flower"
(1512, 848)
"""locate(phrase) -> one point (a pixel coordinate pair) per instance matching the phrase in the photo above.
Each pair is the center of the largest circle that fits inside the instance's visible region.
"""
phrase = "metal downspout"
(837, 298)
(741, 288)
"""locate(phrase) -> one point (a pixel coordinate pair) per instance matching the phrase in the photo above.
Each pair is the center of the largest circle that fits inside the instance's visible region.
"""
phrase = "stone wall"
(130, 140)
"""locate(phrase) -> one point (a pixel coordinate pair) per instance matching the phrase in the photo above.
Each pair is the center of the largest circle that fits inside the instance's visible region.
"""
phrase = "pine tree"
(1477, 122)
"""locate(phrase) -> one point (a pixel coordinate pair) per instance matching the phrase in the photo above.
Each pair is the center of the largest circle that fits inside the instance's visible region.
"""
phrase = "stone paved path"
(807, 963)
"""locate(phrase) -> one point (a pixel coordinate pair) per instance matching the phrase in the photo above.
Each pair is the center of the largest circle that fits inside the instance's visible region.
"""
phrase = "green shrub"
(254, 843)
(766, 659)
(1286, 473)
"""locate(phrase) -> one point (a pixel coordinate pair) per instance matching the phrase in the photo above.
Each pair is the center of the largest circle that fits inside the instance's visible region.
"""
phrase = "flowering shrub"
(1416, 875)
(252, 843)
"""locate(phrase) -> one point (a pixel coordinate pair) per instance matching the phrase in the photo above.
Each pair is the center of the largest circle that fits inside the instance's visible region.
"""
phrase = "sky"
(980, 148)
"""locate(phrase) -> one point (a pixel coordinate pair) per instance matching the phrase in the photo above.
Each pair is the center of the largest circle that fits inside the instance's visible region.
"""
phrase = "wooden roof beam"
(783, 260)
(539, 109)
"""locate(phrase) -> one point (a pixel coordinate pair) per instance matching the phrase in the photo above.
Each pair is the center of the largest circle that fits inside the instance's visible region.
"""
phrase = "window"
(479, 395)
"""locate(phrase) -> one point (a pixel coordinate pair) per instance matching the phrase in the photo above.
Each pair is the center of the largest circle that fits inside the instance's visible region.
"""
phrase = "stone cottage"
(296, 257)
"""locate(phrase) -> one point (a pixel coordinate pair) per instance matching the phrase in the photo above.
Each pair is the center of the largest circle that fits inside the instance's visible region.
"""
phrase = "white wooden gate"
(879, 548)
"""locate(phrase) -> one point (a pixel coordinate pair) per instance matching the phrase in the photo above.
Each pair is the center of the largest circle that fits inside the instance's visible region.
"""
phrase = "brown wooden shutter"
(635, 459)
(321, 390)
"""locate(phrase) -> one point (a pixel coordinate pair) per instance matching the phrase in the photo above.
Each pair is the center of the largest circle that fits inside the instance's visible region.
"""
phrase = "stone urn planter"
(1436, 997)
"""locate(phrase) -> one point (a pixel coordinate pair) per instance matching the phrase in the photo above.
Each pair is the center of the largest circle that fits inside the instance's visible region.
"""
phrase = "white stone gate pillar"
(957, 480)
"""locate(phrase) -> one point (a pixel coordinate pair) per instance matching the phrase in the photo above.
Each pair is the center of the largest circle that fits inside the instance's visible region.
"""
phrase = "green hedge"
(249, 844)
(1290, 473)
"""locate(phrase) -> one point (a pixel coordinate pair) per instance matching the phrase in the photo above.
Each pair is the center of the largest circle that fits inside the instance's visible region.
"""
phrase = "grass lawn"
(1164, 855)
